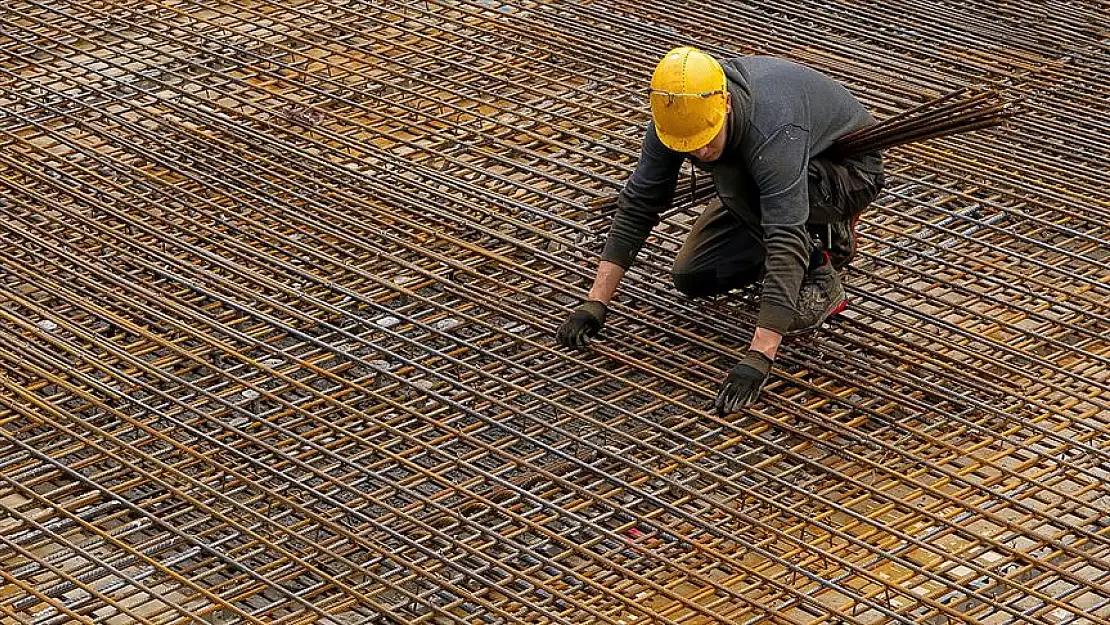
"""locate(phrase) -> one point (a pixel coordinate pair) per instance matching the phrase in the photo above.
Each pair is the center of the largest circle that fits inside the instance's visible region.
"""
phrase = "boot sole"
(835, 309)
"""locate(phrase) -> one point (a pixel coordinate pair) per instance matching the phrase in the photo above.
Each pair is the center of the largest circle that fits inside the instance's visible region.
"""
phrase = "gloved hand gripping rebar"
(583, 324)
(741, 387)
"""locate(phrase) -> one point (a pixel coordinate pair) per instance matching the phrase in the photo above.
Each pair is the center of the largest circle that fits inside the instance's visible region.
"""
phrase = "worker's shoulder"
(785, 92)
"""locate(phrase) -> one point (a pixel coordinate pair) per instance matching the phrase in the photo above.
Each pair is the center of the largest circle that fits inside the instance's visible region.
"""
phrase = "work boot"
(843, 242)
(821, 297)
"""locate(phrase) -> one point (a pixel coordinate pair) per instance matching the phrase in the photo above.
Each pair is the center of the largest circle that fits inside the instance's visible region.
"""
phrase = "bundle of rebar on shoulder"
(959, 111)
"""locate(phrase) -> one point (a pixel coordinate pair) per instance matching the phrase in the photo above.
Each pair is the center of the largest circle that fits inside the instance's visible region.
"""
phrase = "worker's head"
(690, 103)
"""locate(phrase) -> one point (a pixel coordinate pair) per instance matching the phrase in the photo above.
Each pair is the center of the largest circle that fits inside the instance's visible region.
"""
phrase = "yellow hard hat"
(688, 101)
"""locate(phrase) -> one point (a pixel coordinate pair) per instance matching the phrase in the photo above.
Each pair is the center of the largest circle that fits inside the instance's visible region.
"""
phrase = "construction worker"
(785, 213)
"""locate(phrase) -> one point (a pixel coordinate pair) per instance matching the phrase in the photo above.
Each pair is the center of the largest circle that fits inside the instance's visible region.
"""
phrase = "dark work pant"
(722, 252)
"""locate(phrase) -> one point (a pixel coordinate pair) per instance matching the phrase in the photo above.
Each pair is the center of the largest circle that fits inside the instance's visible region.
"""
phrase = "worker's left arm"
(779, 169)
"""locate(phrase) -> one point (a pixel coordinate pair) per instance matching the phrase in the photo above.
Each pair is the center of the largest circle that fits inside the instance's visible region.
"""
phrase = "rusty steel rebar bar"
(952, 113)
(279, 284)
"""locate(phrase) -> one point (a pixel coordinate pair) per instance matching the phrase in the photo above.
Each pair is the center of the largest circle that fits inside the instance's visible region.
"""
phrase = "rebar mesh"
(280, 281)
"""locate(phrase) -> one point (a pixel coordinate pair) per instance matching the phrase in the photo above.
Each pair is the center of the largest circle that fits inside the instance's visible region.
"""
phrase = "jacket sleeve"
(779, 170)
(647, 193)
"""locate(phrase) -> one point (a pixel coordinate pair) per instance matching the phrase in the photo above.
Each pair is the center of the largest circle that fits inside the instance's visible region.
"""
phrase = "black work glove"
(584, 323)
(743, 383)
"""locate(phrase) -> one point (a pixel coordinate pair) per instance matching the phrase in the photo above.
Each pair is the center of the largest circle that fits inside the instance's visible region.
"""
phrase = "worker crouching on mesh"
(785, 213)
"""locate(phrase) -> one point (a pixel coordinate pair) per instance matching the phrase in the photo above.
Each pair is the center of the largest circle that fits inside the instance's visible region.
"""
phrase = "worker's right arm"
(647, 193)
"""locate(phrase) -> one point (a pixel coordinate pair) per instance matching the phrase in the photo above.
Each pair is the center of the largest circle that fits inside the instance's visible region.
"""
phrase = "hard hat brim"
(692, 142)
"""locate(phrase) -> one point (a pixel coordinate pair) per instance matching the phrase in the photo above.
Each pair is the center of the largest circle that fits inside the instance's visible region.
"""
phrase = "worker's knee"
(710, 281)
(697, 283)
